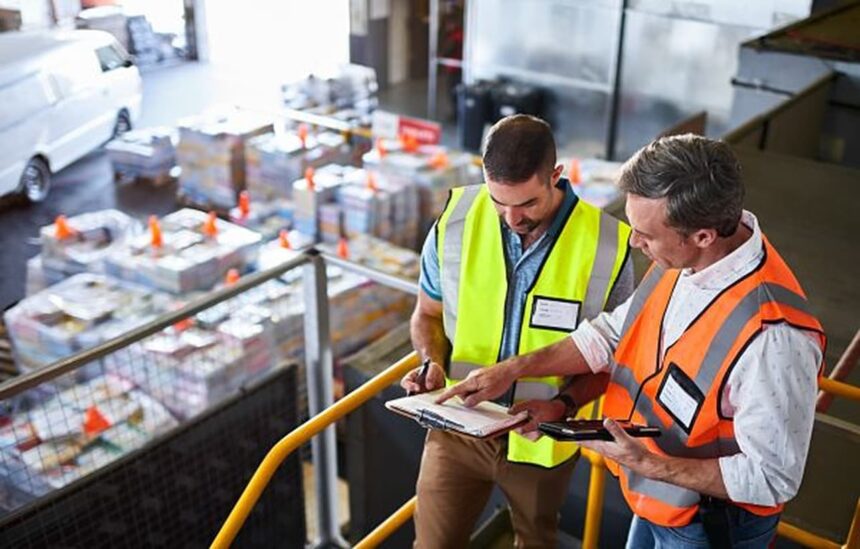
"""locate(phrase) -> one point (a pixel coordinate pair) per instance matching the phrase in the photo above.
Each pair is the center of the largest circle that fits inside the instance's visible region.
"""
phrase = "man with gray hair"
(717, 347)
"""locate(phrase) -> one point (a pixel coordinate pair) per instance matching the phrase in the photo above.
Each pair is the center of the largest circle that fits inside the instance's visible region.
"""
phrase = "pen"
(422, 375)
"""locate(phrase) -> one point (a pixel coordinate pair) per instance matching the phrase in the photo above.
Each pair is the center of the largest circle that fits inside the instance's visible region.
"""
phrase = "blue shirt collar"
(567, 204)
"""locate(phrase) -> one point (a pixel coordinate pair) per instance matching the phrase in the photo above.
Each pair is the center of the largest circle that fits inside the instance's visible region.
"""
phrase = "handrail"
(762, 120)
(301, 435)
(803, 537)
(839, 388)
(596, 488)
(29, 380)
(390, 280)
(389, 525)
(852, 541)
(594, 506)
(593, 512)
(843, 368)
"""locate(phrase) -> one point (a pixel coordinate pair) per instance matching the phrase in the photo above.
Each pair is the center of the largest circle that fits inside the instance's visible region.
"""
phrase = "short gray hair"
(699, 177)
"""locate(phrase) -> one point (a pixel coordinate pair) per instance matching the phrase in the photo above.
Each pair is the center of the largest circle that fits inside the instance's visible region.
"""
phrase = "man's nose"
(513, 217)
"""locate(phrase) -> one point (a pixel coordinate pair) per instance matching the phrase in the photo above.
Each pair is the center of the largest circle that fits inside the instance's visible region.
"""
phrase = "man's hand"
(539, 412)
(435, 379)
(481, 384)
(699, 475)
(625, 449)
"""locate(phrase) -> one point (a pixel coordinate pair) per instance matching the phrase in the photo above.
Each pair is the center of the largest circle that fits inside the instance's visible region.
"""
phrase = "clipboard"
(592, 429)
(486, 420)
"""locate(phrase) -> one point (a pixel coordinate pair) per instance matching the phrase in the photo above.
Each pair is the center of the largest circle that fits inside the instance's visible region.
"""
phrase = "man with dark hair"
(717, 347)
(510, 266)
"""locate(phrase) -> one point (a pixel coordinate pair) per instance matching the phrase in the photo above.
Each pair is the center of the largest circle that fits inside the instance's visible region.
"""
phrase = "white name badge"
(680, 397)
(554, 314)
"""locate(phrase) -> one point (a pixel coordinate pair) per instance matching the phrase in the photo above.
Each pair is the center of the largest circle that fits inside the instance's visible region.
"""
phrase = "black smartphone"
(592, 429)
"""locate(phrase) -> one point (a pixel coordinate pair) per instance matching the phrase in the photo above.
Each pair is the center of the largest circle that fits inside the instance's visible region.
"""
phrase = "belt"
(717, 517)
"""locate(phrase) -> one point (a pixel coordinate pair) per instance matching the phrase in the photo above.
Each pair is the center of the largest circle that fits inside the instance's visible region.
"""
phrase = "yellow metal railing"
(391, 524)
(594, 505)
(809, 539)
(839, 388)
(596, 483)
(300, 436)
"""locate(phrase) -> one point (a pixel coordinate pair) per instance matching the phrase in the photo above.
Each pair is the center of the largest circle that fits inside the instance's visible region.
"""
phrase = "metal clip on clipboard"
(432, 420)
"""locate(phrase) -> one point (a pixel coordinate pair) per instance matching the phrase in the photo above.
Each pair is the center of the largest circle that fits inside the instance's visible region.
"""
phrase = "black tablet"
(592, 429)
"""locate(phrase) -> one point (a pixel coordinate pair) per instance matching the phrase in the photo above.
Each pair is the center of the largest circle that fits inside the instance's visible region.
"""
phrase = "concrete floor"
(88, 184)
(169, 95)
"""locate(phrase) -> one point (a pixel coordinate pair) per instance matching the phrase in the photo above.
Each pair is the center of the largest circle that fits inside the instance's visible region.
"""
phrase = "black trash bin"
(474, 111)
(516, 98)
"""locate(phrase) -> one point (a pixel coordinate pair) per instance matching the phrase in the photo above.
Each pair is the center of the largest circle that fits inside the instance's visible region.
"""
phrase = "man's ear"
(556, 174)
(703, 238)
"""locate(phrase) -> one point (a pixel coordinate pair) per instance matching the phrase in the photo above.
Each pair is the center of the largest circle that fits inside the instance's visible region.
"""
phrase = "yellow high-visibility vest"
(573, 283)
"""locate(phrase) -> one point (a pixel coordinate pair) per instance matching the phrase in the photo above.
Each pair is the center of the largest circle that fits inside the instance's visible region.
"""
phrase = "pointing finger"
(477, 397)
(456, 390)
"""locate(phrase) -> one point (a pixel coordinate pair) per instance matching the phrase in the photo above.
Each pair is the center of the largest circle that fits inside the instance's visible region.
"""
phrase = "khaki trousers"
(456, 478)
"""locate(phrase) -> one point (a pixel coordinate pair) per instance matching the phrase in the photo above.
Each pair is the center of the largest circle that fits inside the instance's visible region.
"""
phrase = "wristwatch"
(570, 406)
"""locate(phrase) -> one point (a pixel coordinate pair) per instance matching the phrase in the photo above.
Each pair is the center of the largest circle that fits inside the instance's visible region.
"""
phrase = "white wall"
(398, 41)
(35, 14)
(279, 39)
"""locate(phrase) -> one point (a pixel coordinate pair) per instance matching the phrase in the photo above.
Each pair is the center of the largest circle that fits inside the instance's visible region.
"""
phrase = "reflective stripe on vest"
(581, 266)
(704, 353)
(454, 226)
(600, 281)
(641, 295)
(662, 491)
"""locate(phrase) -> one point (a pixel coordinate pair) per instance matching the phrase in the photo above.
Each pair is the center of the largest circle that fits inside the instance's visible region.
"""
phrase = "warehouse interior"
(212, 217)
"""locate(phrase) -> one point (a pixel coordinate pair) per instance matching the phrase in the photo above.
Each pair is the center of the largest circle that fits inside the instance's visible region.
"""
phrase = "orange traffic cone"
(439, 160)
(575, 171)
(284, 239)
(309, 177)
(371, 182)
(232, 277)
(244, 204)
(409, 143)
(94, 421)
(343, 248)
(62, 229)
(210, 226)
(303, 135)
(155, 232)
(380, 148)
(183, 324)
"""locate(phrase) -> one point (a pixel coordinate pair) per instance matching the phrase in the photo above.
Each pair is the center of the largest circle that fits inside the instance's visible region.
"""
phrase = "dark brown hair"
(518, 147)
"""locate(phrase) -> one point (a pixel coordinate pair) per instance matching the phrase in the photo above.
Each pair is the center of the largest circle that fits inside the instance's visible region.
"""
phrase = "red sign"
(425, 132)
(392, 126)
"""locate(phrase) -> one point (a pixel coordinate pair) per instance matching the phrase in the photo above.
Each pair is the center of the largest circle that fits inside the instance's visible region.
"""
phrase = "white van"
(62, 94)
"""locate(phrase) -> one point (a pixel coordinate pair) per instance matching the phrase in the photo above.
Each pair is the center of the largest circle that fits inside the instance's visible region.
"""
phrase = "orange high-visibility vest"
(681, 393)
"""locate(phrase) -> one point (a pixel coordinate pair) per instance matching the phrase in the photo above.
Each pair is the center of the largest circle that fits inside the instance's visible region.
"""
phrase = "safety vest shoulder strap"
(640, 296)
(613, 237)
(450, 229)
